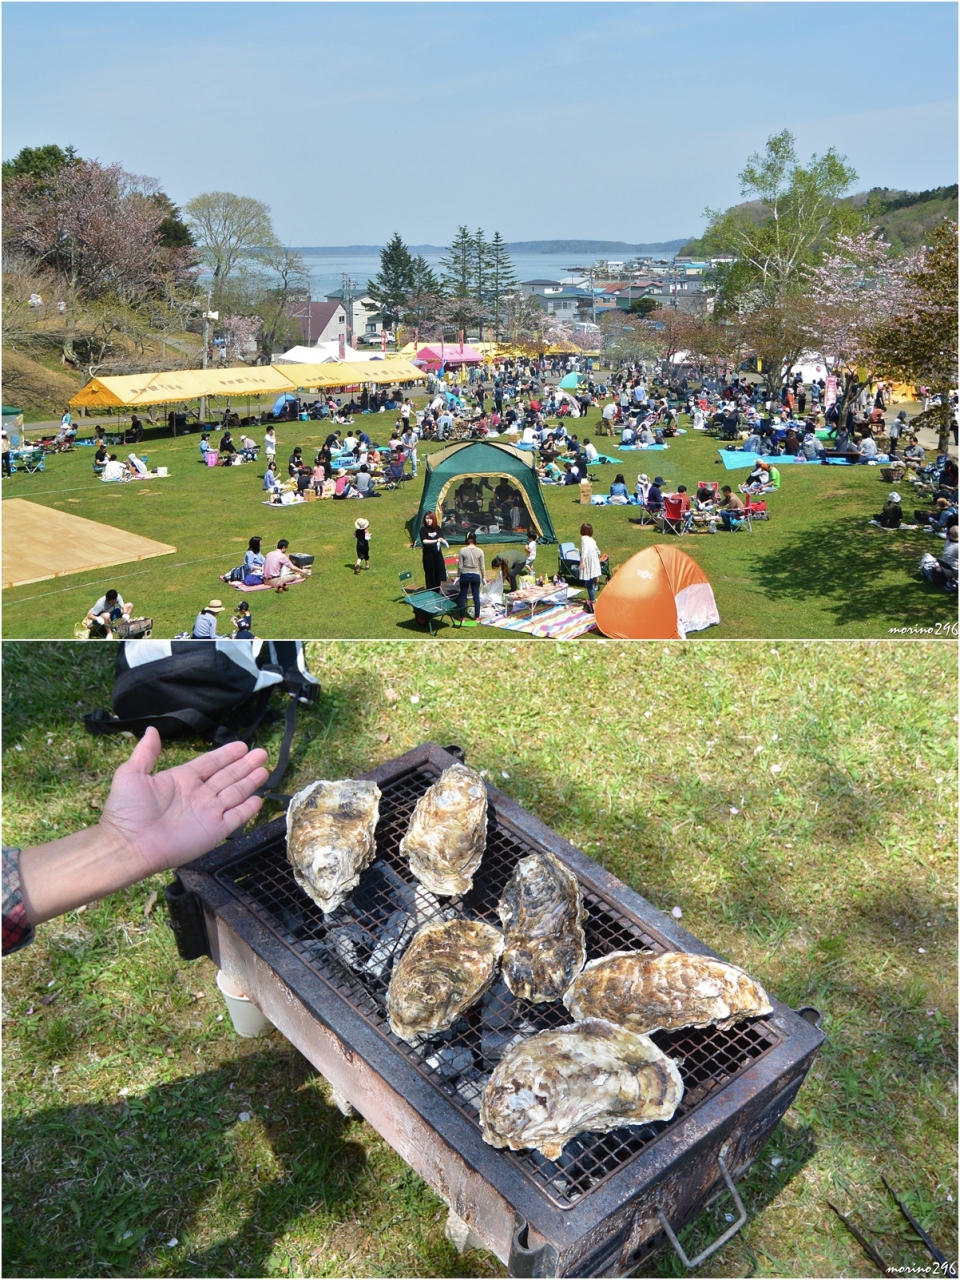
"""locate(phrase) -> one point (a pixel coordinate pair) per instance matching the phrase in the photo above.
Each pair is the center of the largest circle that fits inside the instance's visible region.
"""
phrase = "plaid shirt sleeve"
(17, 932)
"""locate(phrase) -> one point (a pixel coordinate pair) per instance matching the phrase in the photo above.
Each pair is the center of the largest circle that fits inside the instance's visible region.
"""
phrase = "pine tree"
(393, 283)
(421, 301)
(501, 277)
(481, 262)
(459, 266)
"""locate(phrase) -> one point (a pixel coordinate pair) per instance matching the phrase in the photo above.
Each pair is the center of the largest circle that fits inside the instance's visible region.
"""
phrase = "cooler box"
(302, 561)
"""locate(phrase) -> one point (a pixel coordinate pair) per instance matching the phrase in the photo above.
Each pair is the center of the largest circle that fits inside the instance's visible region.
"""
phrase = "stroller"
(569, 556)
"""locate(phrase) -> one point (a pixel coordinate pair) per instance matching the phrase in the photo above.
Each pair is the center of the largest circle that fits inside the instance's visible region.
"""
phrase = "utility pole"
(206, 343)
(348, 284)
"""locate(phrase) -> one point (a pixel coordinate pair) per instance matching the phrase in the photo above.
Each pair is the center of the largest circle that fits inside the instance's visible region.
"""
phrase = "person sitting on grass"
(940, 519)
(914, 455)
(137, 467)
(108, 609)
(227, 449)
(115, 470)
(942, 570)
(891, 515)
(810, 446)
(205, 446)
(243, 622)
(205, 623)
(278, 569)
(618, 491)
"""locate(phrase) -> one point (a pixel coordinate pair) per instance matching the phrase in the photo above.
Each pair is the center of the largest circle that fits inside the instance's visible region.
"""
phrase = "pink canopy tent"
(435, 355)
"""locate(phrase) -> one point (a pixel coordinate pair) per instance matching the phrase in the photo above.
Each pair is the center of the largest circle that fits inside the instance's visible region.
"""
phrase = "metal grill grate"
(354, 948)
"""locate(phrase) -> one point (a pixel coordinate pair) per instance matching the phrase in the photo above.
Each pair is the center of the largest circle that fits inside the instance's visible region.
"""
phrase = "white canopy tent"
(324, 352)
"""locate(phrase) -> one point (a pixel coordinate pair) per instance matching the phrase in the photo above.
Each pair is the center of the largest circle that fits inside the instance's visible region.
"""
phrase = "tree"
(421, 303)
(523, 319)
(643, 306)
(798, 212)
(918, 343)
(96, 228)
(39, 163)
(857, 289)
(274, 294)
(173, 231)
(777, 334)
(458, 266)
(501, 278)
(228, 228)
(393, 283)
(481, 257)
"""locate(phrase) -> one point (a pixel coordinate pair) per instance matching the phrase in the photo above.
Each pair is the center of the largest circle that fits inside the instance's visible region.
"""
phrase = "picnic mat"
(635, 448)
(265, 586)
(562, 622)
(734, 458)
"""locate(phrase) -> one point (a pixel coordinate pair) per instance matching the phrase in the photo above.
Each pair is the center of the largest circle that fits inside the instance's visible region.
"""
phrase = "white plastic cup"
(247, 1019)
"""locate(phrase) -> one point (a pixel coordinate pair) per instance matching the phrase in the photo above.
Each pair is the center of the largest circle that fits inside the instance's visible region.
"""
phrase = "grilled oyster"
(589, 1077)
(541, 910)
(330, 837)
(445, 969)
(448, 831)
(647, 993)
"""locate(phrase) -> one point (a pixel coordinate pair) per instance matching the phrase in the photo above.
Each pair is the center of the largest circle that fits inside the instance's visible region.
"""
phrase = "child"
(243, 622)
(362, 535)
(530, 548)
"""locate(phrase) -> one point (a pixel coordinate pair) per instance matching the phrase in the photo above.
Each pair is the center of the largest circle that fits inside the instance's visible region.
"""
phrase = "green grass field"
(796, 801)
(817, 568)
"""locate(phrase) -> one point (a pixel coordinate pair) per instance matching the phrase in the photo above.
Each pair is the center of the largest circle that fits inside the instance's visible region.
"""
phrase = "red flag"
(383, 341)
(343, 346)
(461, 340)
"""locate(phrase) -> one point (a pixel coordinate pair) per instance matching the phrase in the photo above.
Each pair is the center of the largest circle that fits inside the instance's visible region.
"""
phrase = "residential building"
(366, 319)
(539, 288)
(319, 321)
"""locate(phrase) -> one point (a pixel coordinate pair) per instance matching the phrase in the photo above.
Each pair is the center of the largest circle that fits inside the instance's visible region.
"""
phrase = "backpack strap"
(168, 725)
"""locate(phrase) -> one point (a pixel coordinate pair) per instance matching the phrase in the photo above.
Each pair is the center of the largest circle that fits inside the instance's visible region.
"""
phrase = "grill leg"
(339, 1101)
(460, 1234)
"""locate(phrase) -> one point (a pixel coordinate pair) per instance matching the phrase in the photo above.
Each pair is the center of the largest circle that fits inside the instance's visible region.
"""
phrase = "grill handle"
(691, 1263)
(809, 1014)
(459, 752)
(527, 1262)
(186, 920)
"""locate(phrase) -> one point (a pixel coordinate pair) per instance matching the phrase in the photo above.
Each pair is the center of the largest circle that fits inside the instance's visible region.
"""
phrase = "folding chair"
(31, 460)
(426, 605)
(673, 516)
(755, 507)
(712, 485)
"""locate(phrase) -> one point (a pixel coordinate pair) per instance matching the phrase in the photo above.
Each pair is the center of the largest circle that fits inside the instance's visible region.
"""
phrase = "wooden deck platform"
(41, 542)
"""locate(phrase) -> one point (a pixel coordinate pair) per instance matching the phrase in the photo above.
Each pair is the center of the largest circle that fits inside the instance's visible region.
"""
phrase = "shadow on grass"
(844, 567)
(141, 1171)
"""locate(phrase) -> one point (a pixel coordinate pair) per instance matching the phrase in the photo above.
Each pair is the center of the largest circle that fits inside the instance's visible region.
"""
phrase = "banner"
(343, 346)
(830, 394)
(461, 340)
(383, 341)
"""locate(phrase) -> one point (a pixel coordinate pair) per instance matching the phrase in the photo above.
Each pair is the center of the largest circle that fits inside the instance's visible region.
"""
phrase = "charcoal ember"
(499, 1007)
(494, 1044)
(391, 941)
(450, 1061)
(351, 944)
(470, 1088)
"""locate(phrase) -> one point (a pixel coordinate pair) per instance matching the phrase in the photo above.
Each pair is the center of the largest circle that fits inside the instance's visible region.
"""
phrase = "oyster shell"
(448, 831)
(330, 837)
(541, 910)
(647, 993)
(591, 1077)
(445, 969)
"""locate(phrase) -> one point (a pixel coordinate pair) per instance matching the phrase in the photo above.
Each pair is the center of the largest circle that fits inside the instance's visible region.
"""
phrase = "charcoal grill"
(611, 1199)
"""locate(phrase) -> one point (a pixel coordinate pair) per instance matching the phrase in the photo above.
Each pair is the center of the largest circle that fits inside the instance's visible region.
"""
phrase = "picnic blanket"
(562, 622)
(635, 447)
(266, 586)
(734, 458)
(603, 500)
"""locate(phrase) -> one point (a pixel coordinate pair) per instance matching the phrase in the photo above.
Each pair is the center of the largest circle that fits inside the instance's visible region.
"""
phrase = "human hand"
(172, 817)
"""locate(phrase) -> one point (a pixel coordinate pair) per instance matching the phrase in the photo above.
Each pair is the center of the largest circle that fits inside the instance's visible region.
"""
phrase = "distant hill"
(573, 247)
(905, 218)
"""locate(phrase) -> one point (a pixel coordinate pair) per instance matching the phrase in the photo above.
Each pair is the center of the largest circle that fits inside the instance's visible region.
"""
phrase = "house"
(319, 321)
(539, 288)
(568, 303)
(366, 320)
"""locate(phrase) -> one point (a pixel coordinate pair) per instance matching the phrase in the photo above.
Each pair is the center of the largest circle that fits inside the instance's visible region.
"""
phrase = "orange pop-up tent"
(659, 594)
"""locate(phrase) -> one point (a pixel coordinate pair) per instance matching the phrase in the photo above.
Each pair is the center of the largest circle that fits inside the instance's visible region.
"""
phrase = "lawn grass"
(817, 568)
(796, 801)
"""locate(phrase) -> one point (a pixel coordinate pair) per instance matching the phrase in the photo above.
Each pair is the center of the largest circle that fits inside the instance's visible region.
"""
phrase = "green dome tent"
(483, 461)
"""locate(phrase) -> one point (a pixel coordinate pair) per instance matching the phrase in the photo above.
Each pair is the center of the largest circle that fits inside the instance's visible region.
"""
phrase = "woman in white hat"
(891, 517)
(205, 627)
(361, 531)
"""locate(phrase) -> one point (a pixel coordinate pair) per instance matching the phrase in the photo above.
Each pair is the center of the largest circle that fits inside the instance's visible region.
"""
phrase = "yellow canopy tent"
(347, 373)
(140, 389)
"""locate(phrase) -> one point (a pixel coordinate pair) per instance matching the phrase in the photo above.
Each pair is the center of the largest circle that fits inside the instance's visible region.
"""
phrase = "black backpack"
(218, 689)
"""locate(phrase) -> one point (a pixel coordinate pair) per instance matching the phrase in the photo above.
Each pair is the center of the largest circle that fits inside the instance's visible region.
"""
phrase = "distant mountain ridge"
(517, 246)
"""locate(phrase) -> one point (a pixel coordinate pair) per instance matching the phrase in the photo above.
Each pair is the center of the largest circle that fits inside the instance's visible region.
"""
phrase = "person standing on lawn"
(589, 564)
(472, 574)
(361, 532)
(432, 540)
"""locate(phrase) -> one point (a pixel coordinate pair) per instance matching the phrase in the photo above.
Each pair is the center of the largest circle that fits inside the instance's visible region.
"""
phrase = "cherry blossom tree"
(856, 287)
(239, 332)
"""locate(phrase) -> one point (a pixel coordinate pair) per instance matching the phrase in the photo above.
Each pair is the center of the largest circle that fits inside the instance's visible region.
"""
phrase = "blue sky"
(542, 121)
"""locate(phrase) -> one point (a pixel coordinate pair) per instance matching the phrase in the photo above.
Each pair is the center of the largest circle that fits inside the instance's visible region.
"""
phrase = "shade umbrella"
(571, 381)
